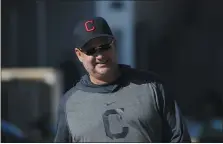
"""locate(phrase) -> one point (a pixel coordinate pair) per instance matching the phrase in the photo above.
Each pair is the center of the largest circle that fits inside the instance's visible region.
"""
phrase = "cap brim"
(95, 36)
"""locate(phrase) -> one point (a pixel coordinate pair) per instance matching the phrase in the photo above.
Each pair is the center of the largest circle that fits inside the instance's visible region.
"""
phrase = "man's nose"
(99, 55)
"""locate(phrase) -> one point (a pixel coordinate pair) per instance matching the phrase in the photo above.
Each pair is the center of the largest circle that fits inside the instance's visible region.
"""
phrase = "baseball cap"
(89, 29)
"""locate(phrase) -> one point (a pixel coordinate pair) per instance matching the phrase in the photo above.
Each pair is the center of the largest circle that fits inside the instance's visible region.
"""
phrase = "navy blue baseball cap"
(86, 30)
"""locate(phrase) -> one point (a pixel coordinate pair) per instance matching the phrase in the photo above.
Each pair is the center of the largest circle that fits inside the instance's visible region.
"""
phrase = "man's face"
(99, 59)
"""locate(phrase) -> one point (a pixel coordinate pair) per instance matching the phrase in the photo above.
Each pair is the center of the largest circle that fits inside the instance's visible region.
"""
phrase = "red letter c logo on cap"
(86, 26)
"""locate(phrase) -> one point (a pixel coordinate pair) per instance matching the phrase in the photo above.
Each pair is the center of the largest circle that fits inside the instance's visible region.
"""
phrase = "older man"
(113, 102)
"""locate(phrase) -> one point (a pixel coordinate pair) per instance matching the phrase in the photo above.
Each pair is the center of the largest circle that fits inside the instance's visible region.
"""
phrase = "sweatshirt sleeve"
(62, 130)
(174, 126)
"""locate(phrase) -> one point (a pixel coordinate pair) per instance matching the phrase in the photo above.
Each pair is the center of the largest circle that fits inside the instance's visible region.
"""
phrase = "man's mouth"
(102, 62)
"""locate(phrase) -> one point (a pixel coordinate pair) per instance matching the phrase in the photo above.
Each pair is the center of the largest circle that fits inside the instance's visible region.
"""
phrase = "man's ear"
(79, 54)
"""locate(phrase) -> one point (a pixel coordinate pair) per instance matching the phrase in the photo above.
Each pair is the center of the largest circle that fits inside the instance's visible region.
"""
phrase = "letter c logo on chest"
(89, 25)
(108, 132)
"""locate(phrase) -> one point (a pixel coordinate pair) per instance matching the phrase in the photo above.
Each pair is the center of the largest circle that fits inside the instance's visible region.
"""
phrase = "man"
(115, 103)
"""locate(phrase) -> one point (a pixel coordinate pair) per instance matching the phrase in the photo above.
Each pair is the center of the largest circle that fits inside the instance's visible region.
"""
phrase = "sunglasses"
(99, 49)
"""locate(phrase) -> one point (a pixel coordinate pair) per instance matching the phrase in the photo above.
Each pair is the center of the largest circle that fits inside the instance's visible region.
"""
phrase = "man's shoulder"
(141, 76)
(67, 94)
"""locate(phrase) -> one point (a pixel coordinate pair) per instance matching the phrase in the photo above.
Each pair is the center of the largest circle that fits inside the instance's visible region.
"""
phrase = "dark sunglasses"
(99, 49)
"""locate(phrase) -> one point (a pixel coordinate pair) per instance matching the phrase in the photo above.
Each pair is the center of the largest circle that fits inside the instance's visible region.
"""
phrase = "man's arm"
(174, 126)
(62, 131)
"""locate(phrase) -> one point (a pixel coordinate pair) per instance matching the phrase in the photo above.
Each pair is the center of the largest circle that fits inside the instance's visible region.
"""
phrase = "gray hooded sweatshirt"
(134, 108)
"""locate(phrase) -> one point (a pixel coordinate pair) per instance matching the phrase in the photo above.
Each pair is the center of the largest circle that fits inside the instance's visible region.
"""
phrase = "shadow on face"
(99, 63)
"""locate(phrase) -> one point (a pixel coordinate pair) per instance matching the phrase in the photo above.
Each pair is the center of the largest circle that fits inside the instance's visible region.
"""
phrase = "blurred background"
(181, 40)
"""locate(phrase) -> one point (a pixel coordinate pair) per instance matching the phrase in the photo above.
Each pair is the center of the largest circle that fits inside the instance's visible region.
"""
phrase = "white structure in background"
(120, 17)
(48, 76)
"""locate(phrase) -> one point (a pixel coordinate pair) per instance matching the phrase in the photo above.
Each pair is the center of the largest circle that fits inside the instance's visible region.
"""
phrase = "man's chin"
(103, 71)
